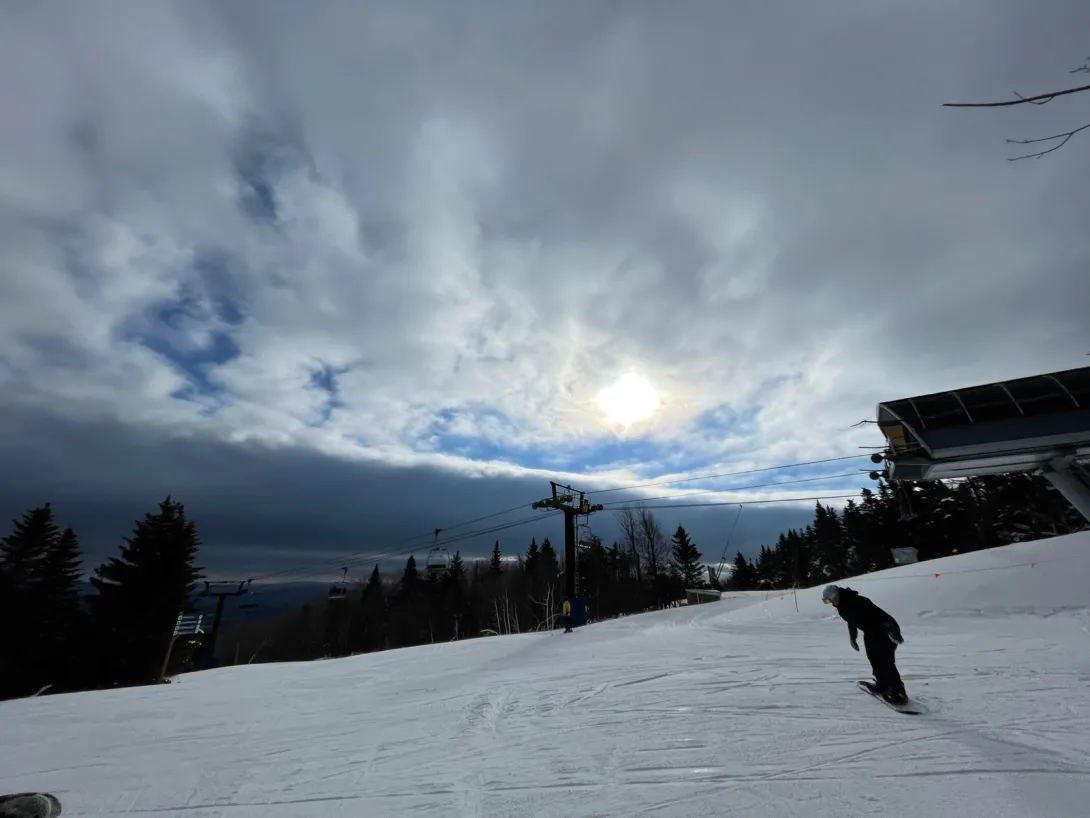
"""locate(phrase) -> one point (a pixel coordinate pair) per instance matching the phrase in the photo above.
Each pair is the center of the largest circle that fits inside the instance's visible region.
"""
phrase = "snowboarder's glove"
(895, 634)
(855, 645)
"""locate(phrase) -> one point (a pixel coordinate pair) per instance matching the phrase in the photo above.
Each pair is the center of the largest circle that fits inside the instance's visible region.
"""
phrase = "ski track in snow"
(742, 707)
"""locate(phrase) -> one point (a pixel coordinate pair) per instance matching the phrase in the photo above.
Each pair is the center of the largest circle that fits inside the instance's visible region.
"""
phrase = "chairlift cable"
(410, 542)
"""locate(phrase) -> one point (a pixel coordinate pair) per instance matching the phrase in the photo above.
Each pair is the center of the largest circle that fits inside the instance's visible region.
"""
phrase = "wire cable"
(356, 558)
(741, 502)
(729, 474)
(405, 546)
(740, 488)
(341, 560)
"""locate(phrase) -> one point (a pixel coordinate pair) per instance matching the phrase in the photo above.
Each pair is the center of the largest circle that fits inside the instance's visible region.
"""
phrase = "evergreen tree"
(141, 592)
(60, 571)
(454, 608)
(533, 559)
(767, 568)
(827, 540)
(496, 563)
(410, 577)
(25, 547)
(62, 619)
(687, 559)
(408, 619)
(24, 655)
(457, 567)
(743, 577)
(375, 582)
(369, 626)
(550, 563)
(795, 562)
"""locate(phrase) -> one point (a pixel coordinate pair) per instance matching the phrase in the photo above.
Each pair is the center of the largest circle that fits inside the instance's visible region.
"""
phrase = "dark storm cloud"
(261, 510)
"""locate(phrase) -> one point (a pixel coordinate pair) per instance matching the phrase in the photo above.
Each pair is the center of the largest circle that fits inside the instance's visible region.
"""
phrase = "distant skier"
(881, 636)
(565, 615)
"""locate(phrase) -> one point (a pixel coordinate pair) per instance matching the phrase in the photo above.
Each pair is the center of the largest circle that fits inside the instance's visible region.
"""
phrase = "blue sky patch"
(167, 329)
(324, 378)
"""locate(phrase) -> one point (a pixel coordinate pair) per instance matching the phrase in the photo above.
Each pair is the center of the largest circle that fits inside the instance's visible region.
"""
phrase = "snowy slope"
(743, 707)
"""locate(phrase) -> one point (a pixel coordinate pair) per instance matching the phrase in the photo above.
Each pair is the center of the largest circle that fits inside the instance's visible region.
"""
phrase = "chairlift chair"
(339, 590)
(438, 561)
(905, 512)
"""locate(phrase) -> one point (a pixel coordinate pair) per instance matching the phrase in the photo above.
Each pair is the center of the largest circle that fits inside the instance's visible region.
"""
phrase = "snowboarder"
(881, 636)
(565, 616)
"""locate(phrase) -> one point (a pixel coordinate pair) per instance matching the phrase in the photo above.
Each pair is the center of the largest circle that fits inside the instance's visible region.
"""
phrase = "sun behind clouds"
(631, 399)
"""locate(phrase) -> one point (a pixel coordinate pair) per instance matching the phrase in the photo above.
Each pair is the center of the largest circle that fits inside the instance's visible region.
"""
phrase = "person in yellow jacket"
(565, 611)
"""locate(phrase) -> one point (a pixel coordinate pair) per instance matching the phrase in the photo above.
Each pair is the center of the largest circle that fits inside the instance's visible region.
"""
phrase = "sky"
(337, 274)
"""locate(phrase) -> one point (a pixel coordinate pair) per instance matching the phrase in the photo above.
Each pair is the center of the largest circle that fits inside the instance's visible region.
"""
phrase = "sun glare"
(630, 400)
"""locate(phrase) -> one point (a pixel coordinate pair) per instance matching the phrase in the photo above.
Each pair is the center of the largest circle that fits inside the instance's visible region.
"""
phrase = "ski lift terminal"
(1034, 424)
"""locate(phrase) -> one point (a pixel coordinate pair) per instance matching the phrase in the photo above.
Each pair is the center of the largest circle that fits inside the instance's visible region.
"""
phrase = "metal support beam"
(569, 553)
(566, 502)
(1059, 473)
(221, 597)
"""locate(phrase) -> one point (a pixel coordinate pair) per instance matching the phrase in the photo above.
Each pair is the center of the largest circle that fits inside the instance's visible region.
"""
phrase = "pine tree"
(457, 567)
(375, 580)
(142, 591)
(408, 618)
(496, 563)
(62, 618)
(40, 605)
(743, 577)
(687, 559)
(60, 571)
(369, 626)
(25, 547)
(410, 577)
(533, 559)
(550, 563)
(827, 540)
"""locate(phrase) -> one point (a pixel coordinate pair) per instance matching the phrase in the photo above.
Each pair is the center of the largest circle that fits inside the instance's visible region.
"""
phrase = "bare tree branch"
(1040, 99)
(652, 541)
(1062, 137)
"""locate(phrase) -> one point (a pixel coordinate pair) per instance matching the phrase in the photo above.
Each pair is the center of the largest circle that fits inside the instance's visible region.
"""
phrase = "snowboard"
(900, 708)
(29, 805)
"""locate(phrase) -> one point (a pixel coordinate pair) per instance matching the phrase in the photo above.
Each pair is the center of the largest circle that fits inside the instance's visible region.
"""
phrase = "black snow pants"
(882, 655)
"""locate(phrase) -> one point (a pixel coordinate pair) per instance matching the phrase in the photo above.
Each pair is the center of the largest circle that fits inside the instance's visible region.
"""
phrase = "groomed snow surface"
(742, 707)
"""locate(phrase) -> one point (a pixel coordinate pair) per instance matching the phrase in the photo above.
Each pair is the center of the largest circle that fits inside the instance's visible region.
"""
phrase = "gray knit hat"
(831, 594)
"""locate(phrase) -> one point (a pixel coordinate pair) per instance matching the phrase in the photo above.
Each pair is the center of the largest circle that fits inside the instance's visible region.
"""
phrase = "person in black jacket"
(881, 636)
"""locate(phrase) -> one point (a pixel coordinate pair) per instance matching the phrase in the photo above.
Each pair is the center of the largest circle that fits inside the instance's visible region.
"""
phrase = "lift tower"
(566, 502)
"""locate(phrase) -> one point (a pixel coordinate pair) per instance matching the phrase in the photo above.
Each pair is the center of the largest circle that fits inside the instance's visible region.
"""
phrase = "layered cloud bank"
(425, 242)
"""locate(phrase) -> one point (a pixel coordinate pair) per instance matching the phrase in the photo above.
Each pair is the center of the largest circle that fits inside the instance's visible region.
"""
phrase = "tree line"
(57, 638)
(644, 570)
(937, 518)
(512, 593)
